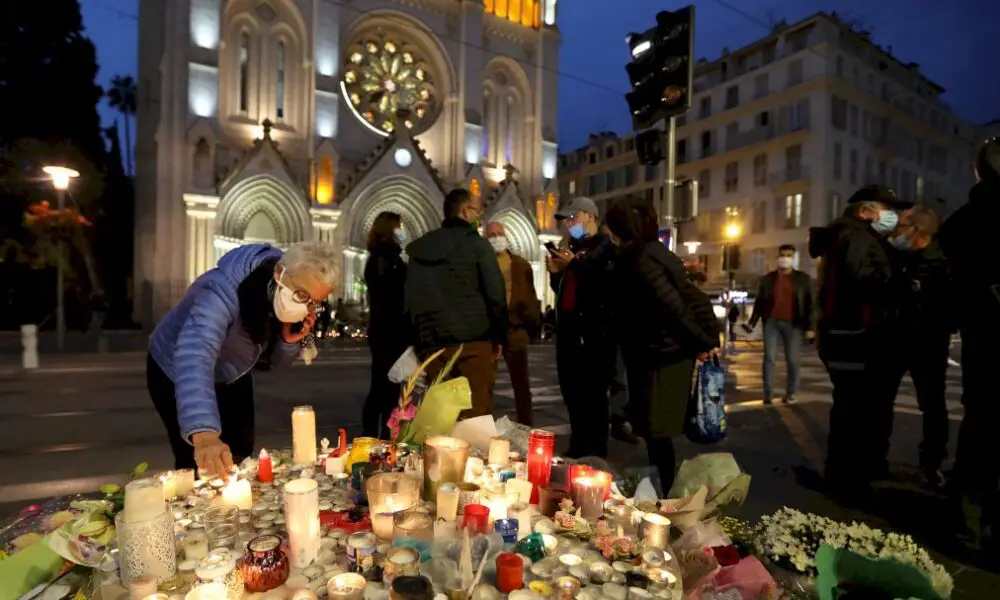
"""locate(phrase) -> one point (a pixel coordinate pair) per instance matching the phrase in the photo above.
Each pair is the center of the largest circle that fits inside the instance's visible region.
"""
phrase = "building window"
(732, 97)
(838, 113)
(652, 172)
(681, 151)
(793, 162)
(833, 207)
(732, 135)
(704, 183)
(279, 81)
(793, 211)
(244, 73)
(706, 144)
(838, 161)
(629, 175)
(761, 85)
(611, 180)
(732, 177)
(763, 119)
(869, 173)
(609, 152)
(551, 205)
(572, 188)
(840, 66)
(760, 170)
(705, 107)
(852, 167)
(324, 181)
(759, 218)
(795, 72)
(854, 120)
(592, 157)
(592, 185)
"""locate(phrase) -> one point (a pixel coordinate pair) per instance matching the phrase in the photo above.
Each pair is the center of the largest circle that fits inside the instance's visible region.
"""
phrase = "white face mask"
(784, 262)
(499, 244)
(285, 307)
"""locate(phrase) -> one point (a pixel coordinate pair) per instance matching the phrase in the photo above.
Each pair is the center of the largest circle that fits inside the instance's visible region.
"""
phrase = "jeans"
(790, 337)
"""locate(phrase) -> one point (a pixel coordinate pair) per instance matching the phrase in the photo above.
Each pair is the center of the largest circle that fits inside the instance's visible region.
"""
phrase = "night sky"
(953, 40)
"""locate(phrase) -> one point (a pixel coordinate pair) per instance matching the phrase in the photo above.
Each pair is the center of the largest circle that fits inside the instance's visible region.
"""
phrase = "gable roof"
(399, 139)
(263, 158)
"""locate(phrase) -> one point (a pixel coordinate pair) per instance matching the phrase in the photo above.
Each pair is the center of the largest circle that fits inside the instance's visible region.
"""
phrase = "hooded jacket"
(454, 288)
(202, 341)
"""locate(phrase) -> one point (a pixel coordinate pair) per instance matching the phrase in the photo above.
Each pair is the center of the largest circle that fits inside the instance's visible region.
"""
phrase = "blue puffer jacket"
(201, 342)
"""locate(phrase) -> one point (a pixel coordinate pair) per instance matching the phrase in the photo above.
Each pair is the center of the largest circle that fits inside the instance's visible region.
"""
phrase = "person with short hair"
(784, 303)
(857, 334)
(388, 328)
(252, 310)
(455, 298)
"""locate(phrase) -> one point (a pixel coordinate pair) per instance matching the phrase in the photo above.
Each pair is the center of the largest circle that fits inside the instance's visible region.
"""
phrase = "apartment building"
(783, 130)
(607, 169)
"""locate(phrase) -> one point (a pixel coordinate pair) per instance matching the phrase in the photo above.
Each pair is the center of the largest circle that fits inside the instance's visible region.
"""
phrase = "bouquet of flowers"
(792, 538)
(441, 401)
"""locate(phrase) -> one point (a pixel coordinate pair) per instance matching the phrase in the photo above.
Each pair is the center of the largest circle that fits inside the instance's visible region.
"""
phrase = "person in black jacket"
(665, 324)
(388, 328)
(968, 239)
(455, 297)
(927, 317)
(785, 304)
(585, 349)
(857, 337)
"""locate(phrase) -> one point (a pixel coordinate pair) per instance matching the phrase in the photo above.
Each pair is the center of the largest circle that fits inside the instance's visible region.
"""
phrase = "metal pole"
(60, 292)
(671, 127)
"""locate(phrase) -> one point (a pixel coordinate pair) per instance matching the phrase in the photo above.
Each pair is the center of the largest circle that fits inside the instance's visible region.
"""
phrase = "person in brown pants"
(524, 314)
(455, 298)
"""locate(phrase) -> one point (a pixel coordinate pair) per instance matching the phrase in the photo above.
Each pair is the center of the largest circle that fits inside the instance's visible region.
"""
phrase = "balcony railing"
(759, 135)
(789, 175)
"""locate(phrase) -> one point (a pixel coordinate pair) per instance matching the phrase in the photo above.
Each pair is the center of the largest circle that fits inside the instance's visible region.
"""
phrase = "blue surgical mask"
(578, 231)
(400, 235)
(901, 243)
(886, 222)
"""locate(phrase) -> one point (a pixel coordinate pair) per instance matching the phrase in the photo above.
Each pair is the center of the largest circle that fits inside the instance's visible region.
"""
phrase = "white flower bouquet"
(791, 539)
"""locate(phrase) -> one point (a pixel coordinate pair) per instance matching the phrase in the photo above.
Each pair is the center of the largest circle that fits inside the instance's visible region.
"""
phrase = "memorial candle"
(541, 446)
(588, 495)
(520, 488)
(499, 452)
(169, 481)
(185, 482)
(447, 501)
(302, 521)
(238, 493)
(144, 500)
(265, 470)
(303, 435)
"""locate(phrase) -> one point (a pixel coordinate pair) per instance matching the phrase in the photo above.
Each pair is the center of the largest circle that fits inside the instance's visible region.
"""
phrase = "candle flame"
(263, 454)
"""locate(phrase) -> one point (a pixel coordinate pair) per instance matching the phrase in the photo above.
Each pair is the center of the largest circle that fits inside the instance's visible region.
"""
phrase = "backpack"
(706, 414)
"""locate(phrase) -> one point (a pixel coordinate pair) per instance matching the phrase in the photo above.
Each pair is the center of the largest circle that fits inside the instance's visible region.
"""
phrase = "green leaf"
(140, 469)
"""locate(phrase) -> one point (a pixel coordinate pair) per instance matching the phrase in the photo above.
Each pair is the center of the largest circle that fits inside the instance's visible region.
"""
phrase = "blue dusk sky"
(951, 40)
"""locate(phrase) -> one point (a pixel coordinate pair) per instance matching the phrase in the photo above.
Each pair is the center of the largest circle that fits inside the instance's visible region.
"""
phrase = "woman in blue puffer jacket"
(250, 311)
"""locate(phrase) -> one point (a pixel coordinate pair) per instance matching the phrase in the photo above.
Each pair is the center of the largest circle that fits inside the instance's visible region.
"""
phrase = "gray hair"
(319, 259)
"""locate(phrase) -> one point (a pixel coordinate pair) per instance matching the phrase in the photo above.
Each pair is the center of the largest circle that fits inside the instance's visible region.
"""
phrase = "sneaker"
(788, 399)
(622, 431)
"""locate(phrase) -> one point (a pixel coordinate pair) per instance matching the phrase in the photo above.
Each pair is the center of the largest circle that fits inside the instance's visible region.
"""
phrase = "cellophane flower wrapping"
(840, 569)
(430, 411)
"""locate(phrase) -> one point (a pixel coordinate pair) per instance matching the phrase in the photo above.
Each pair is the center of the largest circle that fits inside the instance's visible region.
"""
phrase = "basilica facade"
(286, 120)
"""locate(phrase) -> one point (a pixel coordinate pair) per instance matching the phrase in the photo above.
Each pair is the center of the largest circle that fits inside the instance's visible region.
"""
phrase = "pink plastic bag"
(748, 577)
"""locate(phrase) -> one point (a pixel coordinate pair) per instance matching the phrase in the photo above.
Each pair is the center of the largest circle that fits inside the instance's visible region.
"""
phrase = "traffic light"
(661, 69)
(649, 147)
(732, 257)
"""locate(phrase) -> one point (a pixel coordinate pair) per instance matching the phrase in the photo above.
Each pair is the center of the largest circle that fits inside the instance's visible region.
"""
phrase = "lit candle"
(195, 545)
(499, 454)
(302, 521)
(184, 479)
(521, 488)
(497, 503)
(208, 591)
(522, 512)
(346, 586)
(303, 435)
(473, 469)
(541, 445)
(265, 470)
(588, 496)
(654, 531)
(238, 493)
(382, 525)
(447, 501)
(444, 462)
(144, 500)
(169, 481)
(413, 524)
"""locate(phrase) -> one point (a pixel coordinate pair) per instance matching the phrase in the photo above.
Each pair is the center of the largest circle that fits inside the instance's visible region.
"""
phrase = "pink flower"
(400, 415)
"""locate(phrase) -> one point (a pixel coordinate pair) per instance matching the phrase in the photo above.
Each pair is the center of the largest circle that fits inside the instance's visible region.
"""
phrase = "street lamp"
(61, 178)
(732, 233)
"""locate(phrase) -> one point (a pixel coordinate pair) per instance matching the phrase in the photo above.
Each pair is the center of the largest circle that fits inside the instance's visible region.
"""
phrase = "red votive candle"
(510, 572)
(578, 471)
(476, 518)
(541, 446)
(603, 478)
(265, 473)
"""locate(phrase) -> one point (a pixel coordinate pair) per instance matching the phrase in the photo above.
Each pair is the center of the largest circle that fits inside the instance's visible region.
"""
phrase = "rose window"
(382, 77)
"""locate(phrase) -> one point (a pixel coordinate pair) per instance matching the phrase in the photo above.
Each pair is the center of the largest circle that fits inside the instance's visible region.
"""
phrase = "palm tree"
(122, 97)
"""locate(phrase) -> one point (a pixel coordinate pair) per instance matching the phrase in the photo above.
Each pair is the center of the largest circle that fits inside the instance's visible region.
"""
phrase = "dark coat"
(523, 306)
(454, 288)
(927, 310)
(385, 279)
(803, 288)
(590, 272)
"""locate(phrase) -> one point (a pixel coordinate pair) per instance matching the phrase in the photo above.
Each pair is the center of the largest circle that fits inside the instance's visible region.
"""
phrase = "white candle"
(522, 511)
(335, 465)
(499, 452)
(144, 500)
(447, 501)
(654, 531)
(497, 503)
(382, 525)
(184, 480)
(473, 469)
(303, 435)
(520, 487)
(195, 546)
(169, 481)
(302, 521)
(238, 493)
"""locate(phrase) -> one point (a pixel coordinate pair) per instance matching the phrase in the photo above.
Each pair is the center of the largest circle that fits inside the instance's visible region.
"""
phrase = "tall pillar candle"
(144, 500)
(541, 446)
(654, 531)
(302, 521)
(447, 501)
(304, 435)
(499, 452)
(444, 462)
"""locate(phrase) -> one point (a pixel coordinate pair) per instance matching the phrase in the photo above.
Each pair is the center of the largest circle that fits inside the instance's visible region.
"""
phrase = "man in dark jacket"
(585, 350)
(785, 303)
(857, 336)
(927, 318)
(455, 297)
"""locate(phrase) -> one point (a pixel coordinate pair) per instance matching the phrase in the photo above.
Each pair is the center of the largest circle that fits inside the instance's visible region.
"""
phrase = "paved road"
(78, 422)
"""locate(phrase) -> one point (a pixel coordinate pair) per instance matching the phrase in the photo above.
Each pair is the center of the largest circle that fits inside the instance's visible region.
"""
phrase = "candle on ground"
(654, 531)
(185, 482)
(447, 501)
(382, 525)
(499, 452)
(303, 435)
(238, 493)
(144, 500)
(169, 481)
(302, 521)
(521, 488)
(265, 469)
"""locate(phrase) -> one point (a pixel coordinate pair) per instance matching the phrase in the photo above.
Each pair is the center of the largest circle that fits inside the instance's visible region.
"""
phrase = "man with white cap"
(585, 349)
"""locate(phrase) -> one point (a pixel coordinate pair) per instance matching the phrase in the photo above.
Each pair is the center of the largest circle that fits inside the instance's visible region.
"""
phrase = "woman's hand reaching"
(212, 455)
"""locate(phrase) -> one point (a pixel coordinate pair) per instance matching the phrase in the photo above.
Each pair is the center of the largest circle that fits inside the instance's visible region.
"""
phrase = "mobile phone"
(551, 248)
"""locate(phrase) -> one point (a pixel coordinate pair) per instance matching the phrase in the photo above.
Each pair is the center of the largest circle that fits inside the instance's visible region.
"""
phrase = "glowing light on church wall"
(550, 154)
(205, 23)
(324, 180)
(522, 12)
(327, 39)
(550, 12)
(203, 87)
(473, 143)
(326, 114)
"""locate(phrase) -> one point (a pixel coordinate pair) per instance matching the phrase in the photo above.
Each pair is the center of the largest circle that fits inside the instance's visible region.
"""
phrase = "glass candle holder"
(447, 501)
(413, 524)
(220, 567)
(510, 572)
(400, 562)
(541, 445)
(195, 545)
(654, 531)
(361, 449)
(444, 462)
(549, 498)
(588, 496)
(208, 591)
(147, 547)
(476, 518)
(559, 474)
(382, 524)
(221, 526)
(265, 566)
(507, 529)
(411, 588)
(302, 521)
(304, 436)
(346, 586)
(499, 453)
(468, 493)
(392, 492)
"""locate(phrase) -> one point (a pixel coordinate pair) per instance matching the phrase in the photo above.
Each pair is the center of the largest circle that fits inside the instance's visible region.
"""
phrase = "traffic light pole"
(671, 145)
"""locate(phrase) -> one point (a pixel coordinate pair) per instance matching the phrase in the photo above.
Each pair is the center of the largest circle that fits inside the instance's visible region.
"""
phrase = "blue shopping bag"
(706, 418)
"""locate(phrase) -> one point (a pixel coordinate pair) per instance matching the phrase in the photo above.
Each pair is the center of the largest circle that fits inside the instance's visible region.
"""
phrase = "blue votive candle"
(507, 528)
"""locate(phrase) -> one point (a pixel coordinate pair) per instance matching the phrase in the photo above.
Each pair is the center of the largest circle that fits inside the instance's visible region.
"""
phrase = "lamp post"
(732, 234)
(61, 177)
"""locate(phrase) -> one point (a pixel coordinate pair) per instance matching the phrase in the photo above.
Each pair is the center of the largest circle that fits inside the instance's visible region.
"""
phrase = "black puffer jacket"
(928, 300)
(454, 289)
(664, 318)
(385, 278)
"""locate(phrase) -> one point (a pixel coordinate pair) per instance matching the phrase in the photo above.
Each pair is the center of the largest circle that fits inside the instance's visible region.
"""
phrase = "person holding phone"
(251, 311)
